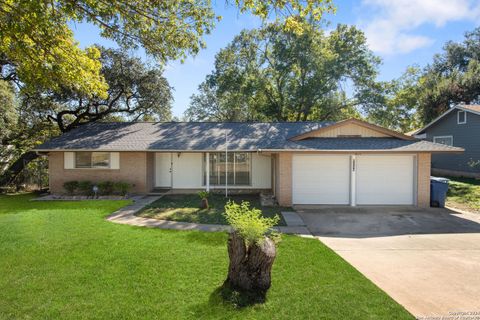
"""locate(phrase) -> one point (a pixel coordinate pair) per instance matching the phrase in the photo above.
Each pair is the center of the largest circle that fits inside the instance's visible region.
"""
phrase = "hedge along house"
(350, 162)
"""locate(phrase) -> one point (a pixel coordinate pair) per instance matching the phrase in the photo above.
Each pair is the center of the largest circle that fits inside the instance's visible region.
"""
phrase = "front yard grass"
(63, 260)
(186, 208)
(464, 194)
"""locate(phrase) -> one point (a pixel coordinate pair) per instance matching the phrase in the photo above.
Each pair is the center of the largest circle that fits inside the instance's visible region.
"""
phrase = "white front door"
(321, 179)
(163, 170)
(385, 179)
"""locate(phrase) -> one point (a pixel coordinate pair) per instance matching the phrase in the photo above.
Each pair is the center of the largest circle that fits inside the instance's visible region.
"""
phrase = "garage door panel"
(320, 179)
(385, 180)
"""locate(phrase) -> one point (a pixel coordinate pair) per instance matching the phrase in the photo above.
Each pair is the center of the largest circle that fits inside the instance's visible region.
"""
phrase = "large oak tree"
(37, 45)
(135, 91)
(275, 74)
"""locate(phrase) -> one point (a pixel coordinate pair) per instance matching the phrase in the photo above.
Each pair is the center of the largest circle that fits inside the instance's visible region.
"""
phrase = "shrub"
(204, 199)
(249, 222)
(106, 187)
(85, 188)
(203, 194)
(122, 187)
(70, 187)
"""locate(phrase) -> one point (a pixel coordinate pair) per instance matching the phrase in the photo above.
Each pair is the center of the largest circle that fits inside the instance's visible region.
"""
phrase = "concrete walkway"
(295, 224)
(126, 215)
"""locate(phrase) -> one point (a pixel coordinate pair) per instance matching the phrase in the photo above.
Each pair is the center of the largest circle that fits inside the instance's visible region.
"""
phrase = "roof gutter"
(449, 150)
(456, 150)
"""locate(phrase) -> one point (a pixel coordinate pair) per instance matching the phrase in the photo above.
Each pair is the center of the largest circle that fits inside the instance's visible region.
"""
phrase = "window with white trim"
(98, 160)
(461, 117)
(236, 170)
(446, 140)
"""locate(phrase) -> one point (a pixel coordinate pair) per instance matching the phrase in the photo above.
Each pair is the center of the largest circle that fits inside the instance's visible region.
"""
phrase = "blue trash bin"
(438, 191)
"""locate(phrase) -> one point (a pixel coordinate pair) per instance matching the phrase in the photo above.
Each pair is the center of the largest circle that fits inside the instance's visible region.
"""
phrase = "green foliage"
(8, 110)
(106, 187)
(135, 90)
(71, 86)
(270, 74)
(452, 78)
(295, 10)
(85, 188)
(203, 194)
(473, 163)
(122, 187)
(70, 186)
(38, 47)
(421, 95)
(464, 193)
(8, 121)
(394, 104)
(249, 222)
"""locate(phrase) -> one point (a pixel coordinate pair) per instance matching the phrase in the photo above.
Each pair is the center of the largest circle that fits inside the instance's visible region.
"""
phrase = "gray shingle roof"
(387, 144)
(210, 136)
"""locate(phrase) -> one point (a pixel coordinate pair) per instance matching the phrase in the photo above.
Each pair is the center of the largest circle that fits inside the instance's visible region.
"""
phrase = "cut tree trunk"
(204, 204)
(250, 266)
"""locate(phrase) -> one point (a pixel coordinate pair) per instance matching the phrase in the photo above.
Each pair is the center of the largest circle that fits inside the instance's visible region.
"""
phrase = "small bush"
(106, 187)
(122, 187)
(70, 187)
(203, 194)
(249, 222)
(85, 188)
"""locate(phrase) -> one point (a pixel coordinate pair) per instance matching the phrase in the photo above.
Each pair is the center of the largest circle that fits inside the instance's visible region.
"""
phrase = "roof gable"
(351, 128)
(475, 109)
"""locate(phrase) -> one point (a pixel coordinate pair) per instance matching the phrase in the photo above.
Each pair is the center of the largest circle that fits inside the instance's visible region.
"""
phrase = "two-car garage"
(347, 179)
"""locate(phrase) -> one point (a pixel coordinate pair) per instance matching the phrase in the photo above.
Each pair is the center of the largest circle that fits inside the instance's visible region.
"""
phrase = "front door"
(163, 170)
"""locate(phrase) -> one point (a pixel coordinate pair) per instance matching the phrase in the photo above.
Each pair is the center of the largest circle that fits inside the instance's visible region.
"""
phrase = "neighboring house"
(459, 127)
(350, 162)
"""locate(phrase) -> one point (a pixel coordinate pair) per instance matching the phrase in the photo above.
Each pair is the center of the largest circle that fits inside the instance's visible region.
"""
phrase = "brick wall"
(284, 178)
(133, 169)
(423, 177)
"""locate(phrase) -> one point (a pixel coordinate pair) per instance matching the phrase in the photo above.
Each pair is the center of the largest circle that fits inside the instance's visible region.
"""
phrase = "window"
(236, 170)
(461, 117)
(447, 140)
(92, 160)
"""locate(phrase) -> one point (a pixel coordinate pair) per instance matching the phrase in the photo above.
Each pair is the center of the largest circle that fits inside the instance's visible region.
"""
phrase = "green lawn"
(62, 260)
(186, 208)
(464, 193)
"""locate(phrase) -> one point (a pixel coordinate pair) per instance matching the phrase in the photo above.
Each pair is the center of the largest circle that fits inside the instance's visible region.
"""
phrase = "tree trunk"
(9, 176)
(250, 267)
(204, 204)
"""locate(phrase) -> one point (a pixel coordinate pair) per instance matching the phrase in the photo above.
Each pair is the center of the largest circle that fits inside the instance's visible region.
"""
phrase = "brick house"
(350, 162)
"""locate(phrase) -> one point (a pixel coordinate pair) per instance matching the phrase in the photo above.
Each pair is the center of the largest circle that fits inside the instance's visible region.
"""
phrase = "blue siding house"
(459, 127)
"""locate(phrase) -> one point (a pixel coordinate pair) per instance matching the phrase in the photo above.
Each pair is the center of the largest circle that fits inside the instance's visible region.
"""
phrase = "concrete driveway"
(428, 260)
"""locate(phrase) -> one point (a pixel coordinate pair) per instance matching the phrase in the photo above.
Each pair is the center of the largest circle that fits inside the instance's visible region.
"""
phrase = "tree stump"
(249, 272)
(204, 203)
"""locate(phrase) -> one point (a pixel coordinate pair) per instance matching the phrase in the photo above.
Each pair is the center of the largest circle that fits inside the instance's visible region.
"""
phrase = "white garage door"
(383, 179)
(321, 179)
